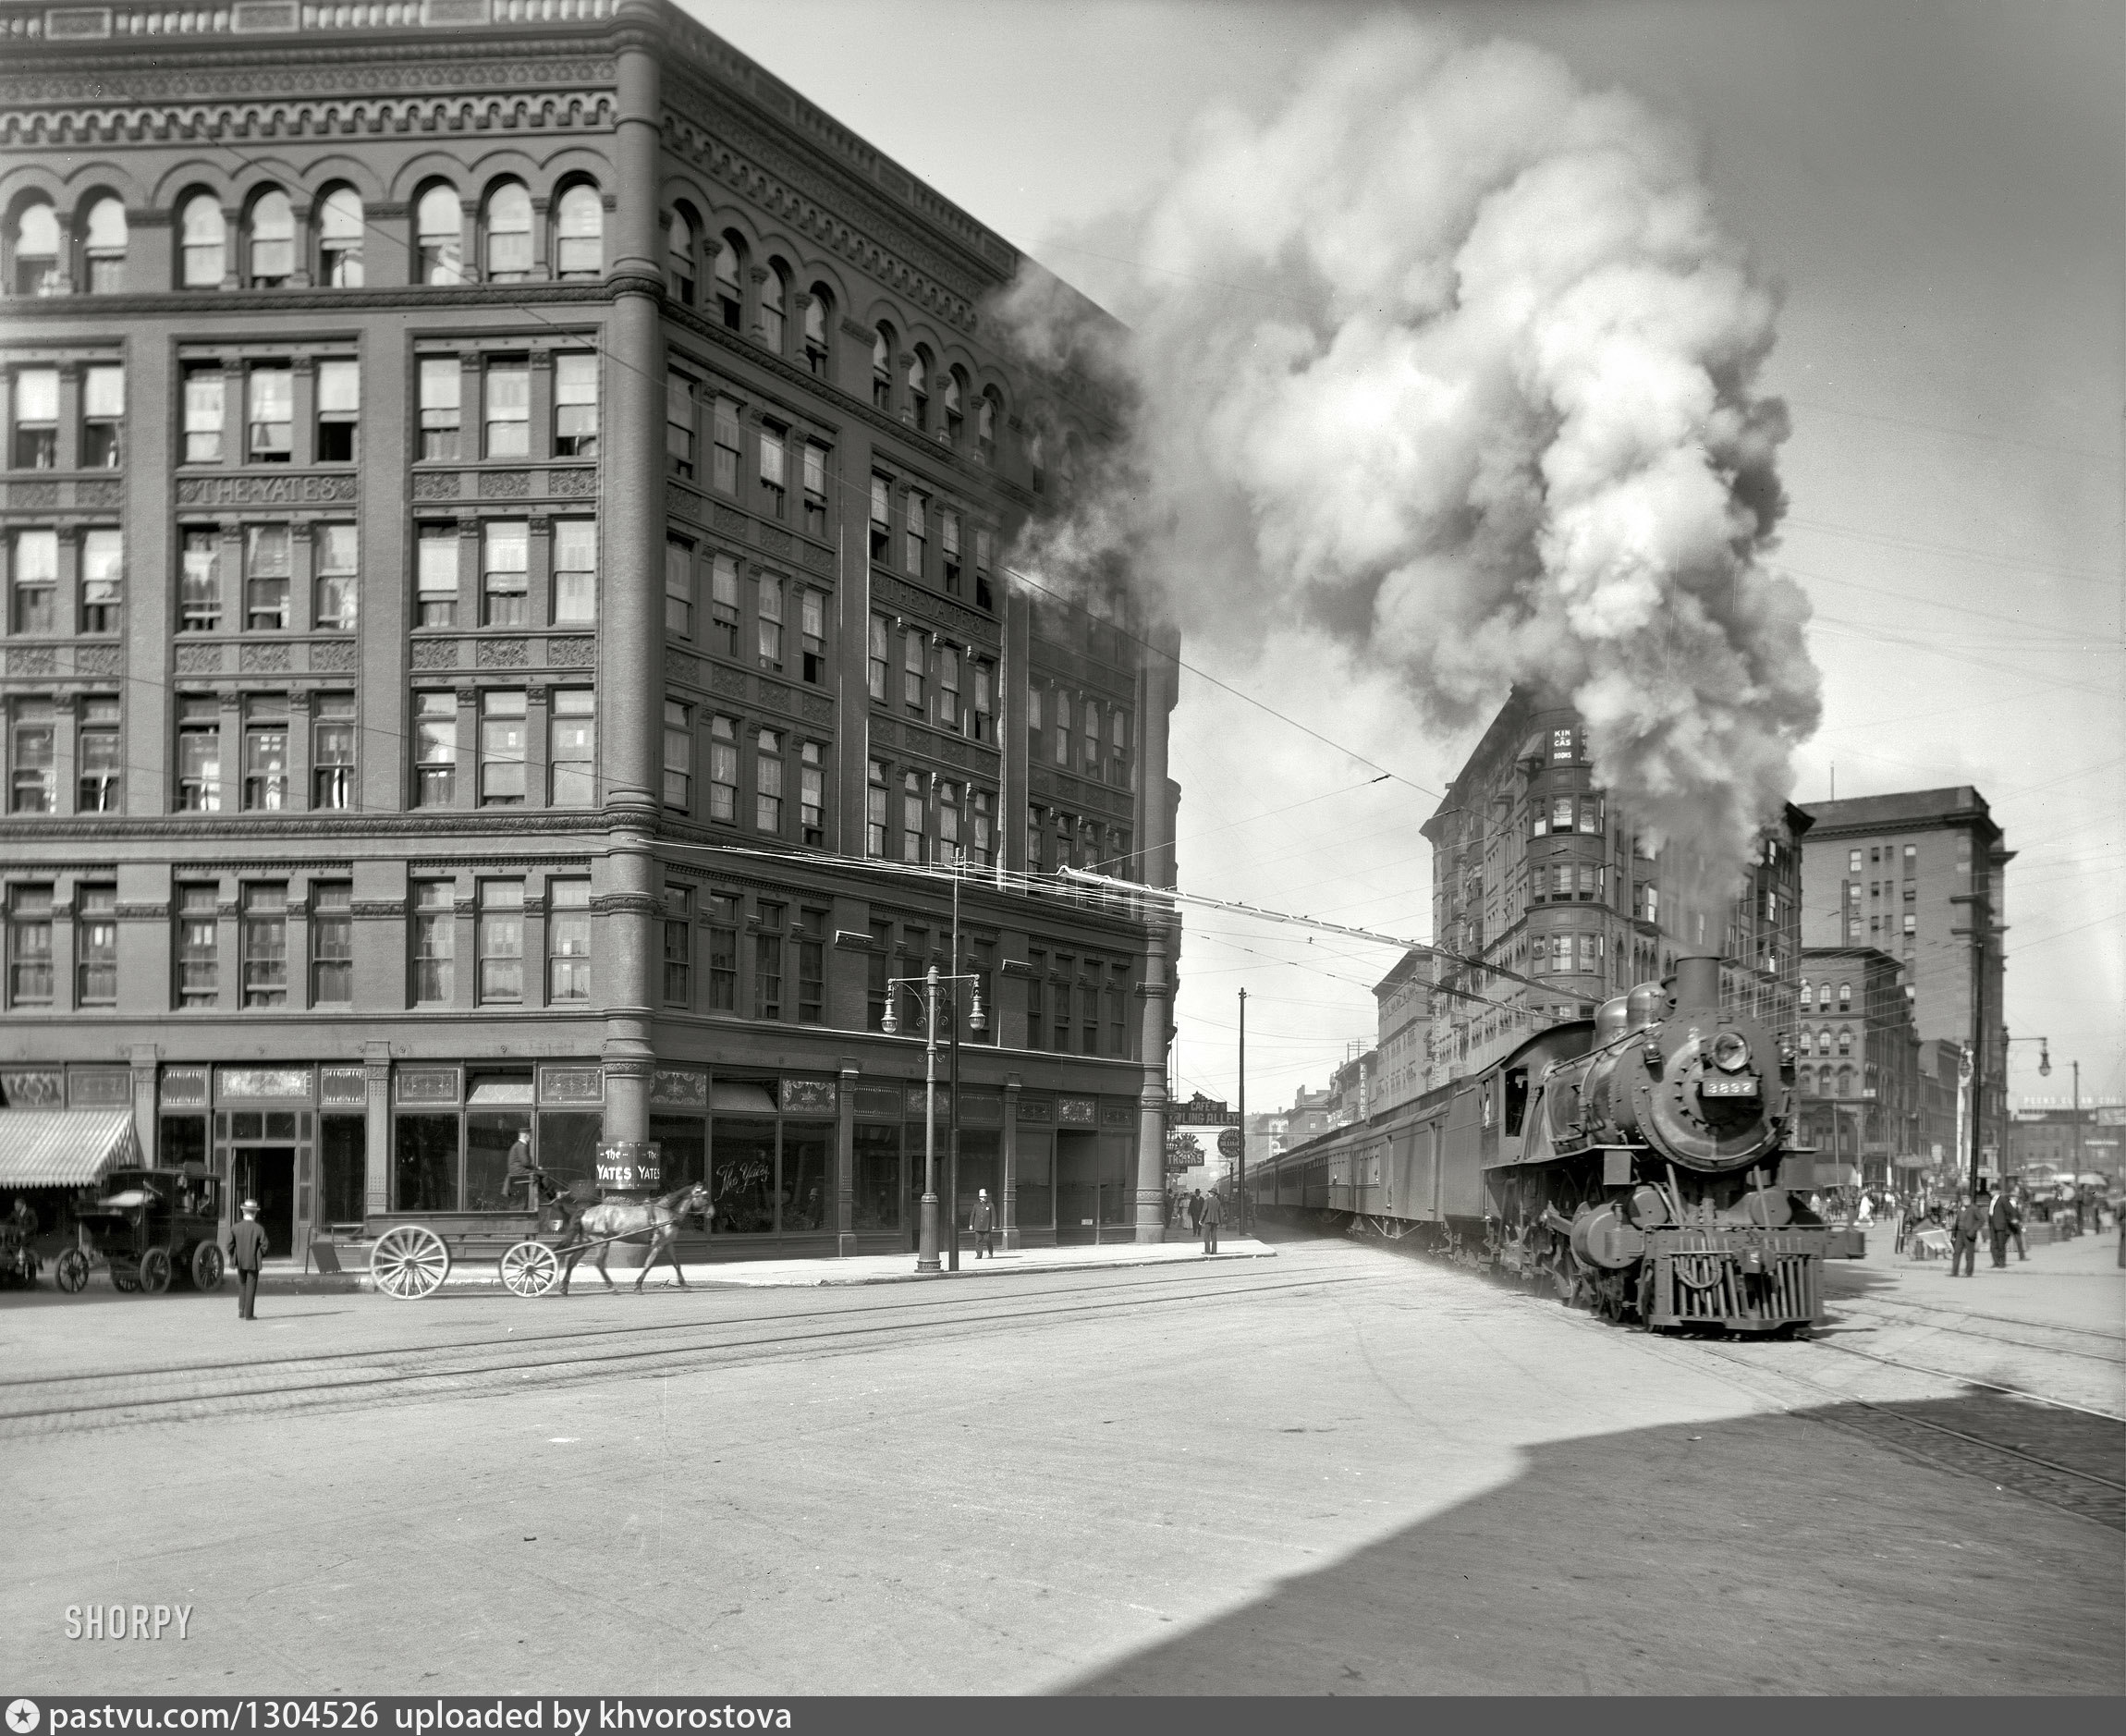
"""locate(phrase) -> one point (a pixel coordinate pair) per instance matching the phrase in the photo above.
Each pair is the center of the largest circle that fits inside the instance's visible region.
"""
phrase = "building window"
(37, 251)
(267, 567)
(435, 941)
(203, 243)
(881, 516)
(32, 730)
(442, 381)
(36, 582)
(981, 718)
(1063, 729)
(504, 572)
(339, 239)
(1090, 723)
(337, 582)
(1036, 975)
(984, 551)
(1059, 986)
(768, 962)
(509, 250)
(509, 413)
(99, 757)
(986, 417)
(199, 945)
(678, 946)
(502, 727)
(768, 783)
(102, 418)
(775, 475)
(679, 259)
(947, 822)
(435, 576)
(576, 406)
(769, 621)
(955, 416)
(339, 412)
(580, 233)
(575, 571)
(568, 941)
(1845, 996)
(814, 490)
(572, 747)
(948, 550)
(1118, 749)
(914, 662)
(679, 425)
(435, 747)
(725, 426)
(818, 312)
(919, 390)
(438, 236)
(500, 939)
(332, 751)
(1852, 861)
(199, 754)
(811, 634)
(263, 958)
(812, 793)
(911, 816)
(678, 757)
(96, 945)
(984, 827)
(266, 753)
(678, 588)
(916, 528)
(948, 687)
(1910, 924)
(875, 660)
(36, 418)
(810, 934)
(1589, 950)
(331, 943)
(723, 605)
(722, 914)
(272, 241)
(270, 438)
(724, 769)
(730, 293)
(774, 300)
(882, 369)
(875, 808)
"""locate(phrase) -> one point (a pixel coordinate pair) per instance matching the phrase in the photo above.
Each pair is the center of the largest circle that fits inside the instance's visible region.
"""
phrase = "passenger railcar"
(1642, 1164)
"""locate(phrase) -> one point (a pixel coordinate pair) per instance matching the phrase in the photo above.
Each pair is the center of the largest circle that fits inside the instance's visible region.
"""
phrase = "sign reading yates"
(630, 1166)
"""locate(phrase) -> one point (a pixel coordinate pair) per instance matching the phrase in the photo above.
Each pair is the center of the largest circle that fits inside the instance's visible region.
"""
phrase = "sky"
(1936, 189)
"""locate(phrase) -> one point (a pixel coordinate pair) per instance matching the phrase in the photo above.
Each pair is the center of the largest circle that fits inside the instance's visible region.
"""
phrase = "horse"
(602, 1224)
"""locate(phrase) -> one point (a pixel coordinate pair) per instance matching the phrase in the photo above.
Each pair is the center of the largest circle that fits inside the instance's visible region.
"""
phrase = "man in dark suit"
(1213, 1209)
(1963, 1234)
(982, 1220)
(2004, 1224)
(247, 1253)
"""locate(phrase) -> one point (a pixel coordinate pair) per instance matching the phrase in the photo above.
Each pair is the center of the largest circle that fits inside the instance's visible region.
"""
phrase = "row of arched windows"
(1810, 995)
(1826, 1084)
(263, 246)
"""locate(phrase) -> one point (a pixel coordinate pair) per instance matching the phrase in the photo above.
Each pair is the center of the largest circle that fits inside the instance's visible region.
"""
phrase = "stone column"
(844, 1161)
(147, 1123)
(376, 1131)
(1151, 1098)
(1010, 1190)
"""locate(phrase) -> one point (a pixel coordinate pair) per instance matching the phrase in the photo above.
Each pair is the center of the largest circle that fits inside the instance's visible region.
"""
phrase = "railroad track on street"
(48, 1404)
(2047, 1339)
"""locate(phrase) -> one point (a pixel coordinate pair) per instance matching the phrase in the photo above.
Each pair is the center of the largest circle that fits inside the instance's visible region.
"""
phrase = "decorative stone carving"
(32, 660)
(579, 484)
(678, 666)
(501, 654)
(505, 485)
(199, 659)
(818, 559)
(773, 694)
(262, 659)
(332, 656)
(571, 654)
(722, 680)
(102, 495)
(437, 484)
(98, 660)
(264, 491)
(681, 504)
(731, 519)
(33, 493)
(813, 708)
(777, 542)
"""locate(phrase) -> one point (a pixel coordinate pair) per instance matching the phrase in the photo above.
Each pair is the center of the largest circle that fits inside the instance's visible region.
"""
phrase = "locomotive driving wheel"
(409, 1262)
(530, 1268)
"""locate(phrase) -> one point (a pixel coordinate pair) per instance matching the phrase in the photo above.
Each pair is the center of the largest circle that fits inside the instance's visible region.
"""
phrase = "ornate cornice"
(24, 128)
(166, 303)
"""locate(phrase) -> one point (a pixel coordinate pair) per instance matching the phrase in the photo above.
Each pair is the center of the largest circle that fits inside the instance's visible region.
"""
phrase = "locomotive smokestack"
(1698, 979)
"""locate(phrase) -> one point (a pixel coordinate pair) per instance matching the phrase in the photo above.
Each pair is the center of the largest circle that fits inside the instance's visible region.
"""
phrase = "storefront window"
(744, 1180)
(424, 1164)
(1036, 1173)
(805, 1206)
(342, 1156)
(682, 1149)
(488, 1137)
(1116, 1193)
(183, 1140)
(878, 1176)
(568, 1146)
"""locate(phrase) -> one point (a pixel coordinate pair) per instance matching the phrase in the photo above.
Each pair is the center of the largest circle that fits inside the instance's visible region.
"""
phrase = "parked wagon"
(151, 1227)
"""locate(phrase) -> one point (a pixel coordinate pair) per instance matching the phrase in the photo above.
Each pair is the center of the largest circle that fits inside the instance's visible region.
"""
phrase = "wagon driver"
(522, 1174)
(248, 1248)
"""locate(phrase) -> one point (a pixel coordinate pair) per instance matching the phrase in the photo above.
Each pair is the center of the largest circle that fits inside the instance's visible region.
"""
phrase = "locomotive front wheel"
(530, 1268)
(71, 1274)
(206, 1267)
(409, 1262)
(155, 1271)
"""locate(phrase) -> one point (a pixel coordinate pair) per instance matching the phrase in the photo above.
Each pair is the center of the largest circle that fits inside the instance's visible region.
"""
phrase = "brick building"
(1857, 1071)
(1403, 999)
(504, 531)
(1535, 871)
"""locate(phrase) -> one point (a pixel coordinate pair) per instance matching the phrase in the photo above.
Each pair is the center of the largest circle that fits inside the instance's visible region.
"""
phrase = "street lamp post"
(1241, 1187)
(928, 988)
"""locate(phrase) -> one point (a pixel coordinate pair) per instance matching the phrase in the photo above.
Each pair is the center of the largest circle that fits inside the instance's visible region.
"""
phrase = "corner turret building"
(506, 510)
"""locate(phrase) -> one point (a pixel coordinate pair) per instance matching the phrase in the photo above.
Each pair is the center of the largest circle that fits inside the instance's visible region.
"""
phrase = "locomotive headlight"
(1730, 1053)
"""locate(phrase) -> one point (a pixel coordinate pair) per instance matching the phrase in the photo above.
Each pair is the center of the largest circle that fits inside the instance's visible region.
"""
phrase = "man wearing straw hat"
(247, 1251)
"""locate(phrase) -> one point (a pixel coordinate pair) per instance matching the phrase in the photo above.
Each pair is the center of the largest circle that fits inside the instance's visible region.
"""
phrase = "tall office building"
(505, 519)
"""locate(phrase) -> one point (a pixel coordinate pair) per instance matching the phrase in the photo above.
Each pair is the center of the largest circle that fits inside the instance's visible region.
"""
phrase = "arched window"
(679, 259)
(987, 414)
(955, 413)
(339, 239)
(580, 233)
(1804, 1081)
(1845, 1082)
(205, 239)
(919, 390)
(104, 247)
(508, 256)
(438, 237)
(272, 240)
(818, 309)
(1845, 1039)
(1808, 997)
(1824, 1041)
(882, 369)
(774, 306)
(37, 250)
(730, 284)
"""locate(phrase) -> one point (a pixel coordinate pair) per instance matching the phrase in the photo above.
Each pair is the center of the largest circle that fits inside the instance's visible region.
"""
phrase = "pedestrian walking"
(982, 1220)
(1971, 1221)
(2015, 1225)
(1996, 1227)
(247, 1252)
(1196, 1211)
(1213, 1211)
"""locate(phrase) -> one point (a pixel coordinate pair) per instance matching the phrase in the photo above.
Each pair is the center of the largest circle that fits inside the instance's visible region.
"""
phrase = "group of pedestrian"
(1202, 1212)
(1998, 1217)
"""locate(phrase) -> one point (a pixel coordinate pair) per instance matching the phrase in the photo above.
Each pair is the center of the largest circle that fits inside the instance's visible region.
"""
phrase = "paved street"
(1343, 1470)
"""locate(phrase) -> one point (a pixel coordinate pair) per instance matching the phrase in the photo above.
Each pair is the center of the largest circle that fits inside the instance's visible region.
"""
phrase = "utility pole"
(2077, 1065)
(952, 1120)
(1241, 1187)
(1981, 910)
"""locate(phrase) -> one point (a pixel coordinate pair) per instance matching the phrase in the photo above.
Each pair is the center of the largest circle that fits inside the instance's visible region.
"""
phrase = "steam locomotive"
(1641, 1164)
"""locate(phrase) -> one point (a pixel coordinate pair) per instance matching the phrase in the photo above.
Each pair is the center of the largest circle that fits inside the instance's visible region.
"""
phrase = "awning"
(738, 1098)
(63, 1148)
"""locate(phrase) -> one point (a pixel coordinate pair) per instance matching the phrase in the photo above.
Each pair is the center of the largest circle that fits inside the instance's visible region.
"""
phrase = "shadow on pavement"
(1765, 1554)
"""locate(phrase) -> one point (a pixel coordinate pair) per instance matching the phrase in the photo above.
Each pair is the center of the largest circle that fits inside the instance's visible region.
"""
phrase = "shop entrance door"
(1077, 1188)
(266, 1173)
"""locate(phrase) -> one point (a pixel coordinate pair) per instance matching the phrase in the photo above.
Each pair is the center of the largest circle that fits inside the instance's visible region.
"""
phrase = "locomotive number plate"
(1727, 1088)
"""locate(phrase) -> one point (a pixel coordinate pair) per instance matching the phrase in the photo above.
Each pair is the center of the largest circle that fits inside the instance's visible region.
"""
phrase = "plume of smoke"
(1449, 359)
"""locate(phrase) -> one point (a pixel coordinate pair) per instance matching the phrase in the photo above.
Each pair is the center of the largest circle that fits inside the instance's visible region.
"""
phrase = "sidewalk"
(877, 1268)
(2076, 1284)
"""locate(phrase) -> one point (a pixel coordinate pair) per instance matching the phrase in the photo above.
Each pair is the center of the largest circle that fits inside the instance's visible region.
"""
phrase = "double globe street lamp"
(929, 991)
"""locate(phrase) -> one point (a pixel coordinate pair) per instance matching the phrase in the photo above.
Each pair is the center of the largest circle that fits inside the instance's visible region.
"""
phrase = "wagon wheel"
(155, 1271)
(125, 1278)
(71, 1274)
(206, 1267)
(530, 1268)
(409, 1262)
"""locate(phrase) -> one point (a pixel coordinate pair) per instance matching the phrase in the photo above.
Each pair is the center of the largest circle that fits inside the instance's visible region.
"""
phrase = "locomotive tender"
(1642, 1164)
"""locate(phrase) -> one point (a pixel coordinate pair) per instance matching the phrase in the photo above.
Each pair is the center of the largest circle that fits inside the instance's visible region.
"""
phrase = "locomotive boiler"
(1641, 1164)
